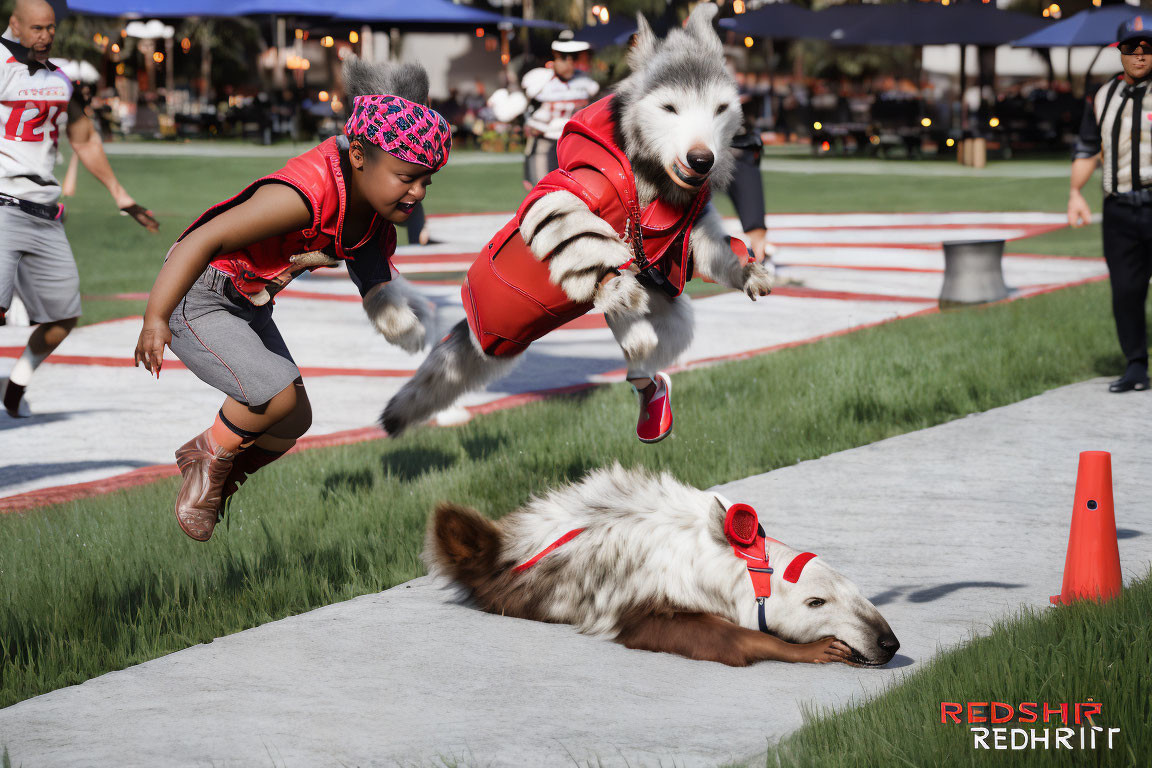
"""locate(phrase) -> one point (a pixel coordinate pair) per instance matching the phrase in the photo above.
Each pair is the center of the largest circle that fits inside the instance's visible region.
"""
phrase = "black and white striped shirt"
(1118, 123)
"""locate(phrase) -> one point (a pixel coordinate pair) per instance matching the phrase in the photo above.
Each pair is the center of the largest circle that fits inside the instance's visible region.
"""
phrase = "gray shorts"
(36, 262)
(229, 343)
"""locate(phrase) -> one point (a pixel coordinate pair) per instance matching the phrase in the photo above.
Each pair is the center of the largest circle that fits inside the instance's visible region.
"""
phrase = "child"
(211, 302)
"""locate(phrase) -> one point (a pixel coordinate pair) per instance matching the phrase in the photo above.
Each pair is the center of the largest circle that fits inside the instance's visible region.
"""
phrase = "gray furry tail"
(454, 367)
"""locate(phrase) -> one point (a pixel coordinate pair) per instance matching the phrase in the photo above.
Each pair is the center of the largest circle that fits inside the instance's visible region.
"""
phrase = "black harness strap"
(1137, 122)
(1100, 123)
(1116, 143)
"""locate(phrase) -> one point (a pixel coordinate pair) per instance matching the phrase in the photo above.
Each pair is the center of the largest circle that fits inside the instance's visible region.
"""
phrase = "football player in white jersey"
(36, 100)
(555, 94)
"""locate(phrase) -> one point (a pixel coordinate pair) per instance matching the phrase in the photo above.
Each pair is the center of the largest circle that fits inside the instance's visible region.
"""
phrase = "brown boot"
(205, 466)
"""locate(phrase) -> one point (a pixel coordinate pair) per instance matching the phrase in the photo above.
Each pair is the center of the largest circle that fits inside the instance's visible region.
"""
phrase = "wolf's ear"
(644, 46)
(700, 25)
(719, 509)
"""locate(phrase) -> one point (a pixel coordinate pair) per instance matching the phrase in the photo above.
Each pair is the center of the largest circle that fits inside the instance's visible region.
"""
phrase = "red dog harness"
(749, 543)
(746, 535)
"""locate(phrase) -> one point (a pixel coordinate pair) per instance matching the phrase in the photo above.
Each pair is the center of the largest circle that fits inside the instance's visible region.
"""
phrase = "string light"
(994, 122)
(738, 6)
(185, 45)
(818, 125)
(926, 122)
(327, 41)
(479, 31)
(158, 57)
(951, 142)
(747, 42)
(323, 96)
(353, 37)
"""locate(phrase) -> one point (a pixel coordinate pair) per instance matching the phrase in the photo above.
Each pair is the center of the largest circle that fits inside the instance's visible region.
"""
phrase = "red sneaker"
(655, 422)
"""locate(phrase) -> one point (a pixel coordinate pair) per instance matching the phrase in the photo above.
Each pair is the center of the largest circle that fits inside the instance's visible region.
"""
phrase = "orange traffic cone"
(1092, 568)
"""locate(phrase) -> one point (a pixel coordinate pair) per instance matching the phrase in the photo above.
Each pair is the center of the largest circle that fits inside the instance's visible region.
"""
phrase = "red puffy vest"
(508, 295)
(317, 176)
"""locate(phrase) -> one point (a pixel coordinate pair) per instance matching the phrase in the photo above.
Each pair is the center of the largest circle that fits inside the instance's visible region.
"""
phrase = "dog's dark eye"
(669, 108)
(815, 602)
(721, 109)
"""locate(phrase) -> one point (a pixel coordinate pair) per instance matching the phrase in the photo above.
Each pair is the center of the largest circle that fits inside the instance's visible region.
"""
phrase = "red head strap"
(792, 572)
(740, 524)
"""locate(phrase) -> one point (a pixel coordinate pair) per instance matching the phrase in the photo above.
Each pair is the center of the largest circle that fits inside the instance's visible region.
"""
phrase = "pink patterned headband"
(406, 130)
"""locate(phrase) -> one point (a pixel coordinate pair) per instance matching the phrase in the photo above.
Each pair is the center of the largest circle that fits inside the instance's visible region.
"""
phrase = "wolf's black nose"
(888, 642)
(701, 160)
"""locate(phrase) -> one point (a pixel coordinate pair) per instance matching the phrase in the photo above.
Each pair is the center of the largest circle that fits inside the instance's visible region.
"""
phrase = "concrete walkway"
(946, 529)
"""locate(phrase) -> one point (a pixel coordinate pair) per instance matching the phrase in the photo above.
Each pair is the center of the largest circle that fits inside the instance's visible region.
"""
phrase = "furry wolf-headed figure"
(658, 565)
(621, 226)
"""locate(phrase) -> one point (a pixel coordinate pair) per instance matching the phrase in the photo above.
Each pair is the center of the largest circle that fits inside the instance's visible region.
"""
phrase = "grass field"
(103, 583)
(1086, 652)
(117, 256)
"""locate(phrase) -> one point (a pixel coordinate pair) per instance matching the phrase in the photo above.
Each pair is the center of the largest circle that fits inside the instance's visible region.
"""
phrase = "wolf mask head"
(678, 110)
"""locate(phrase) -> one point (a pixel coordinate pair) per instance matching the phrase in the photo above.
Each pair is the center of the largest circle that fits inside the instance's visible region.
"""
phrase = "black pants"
(747, 189)
(1128, 251)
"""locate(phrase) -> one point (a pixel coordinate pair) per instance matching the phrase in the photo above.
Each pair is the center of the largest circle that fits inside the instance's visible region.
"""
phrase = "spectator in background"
(555, 94)
(747, 186)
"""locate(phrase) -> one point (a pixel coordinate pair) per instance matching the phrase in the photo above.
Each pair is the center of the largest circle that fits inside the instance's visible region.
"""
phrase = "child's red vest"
(508, 295)
(317, 176)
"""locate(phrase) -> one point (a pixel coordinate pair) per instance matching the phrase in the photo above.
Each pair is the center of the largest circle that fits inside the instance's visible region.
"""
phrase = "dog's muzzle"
(689, 178)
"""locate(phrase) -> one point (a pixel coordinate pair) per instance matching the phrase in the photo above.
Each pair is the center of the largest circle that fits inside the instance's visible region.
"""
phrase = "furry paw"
(757, 281)
(394, 420)
(622, 295)
(400, 314)
(636, 336)
(402, 327)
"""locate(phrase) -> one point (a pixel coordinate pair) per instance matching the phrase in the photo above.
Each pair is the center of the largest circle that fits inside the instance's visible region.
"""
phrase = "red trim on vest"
(558, 543)
(792, 572)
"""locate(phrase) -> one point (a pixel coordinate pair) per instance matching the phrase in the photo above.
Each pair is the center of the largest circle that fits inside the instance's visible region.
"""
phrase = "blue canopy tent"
(616, 32)
(368, 11)
(1095, 26)
(424, 12)
(778, 20)
(154, 9)
(915, 23)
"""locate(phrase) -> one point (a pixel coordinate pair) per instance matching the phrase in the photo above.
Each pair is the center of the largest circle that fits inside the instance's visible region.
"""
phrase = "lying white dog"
(659, 566)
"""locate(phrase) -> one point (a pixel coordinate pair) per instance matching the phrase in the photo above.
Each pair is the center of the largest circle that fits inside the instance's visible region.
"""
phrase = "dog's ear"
(700, 25)
(644, 46)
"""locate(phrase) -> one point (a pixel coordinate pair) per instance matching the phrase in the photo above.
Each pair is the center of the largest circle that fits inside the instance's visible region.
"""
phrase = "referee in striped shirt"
(1117, 133)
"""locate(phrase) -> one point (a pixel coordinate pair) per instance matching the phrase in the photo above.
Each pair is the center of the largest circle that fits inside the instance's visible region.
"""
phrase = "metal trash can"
(973, 272)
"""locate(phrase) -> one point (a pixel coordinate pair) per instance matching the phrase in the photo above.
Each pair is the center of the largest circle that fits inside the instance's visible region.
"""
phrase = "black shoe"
(1134, 379)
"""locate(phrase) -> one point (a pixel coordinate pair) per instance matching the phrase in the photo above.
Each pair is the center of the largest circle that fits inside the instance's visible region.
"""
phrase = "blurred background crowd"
(839, 78)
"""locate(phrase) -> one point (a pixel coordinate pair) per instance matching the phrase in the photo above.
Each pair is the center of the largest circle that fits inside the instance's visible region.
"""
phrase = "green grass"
(1073, 654)
(117, 256)
(102, 583)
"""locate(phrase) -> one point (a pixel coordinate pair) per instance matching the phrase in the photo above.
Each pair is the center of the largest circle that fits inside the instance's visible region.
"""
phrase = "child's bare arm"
(274, 209)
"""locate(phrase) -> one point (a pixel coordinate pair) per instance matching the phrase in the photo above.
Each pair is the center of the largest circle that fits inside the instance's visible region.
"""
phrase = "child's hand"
(150, 346)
